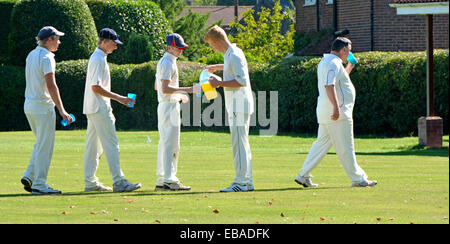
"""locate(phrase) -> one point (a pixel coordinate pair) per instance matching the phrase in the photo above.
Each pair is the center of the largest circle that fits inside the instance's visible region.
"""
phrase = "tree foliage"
(259, 34)
(171, 8)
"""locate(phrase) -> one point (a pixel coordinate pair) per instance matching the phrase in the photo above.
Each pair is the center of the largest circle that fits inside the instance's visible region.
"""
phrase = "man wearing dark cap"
(169, 122)
(335, 117)
(41, 97)
(101, 131)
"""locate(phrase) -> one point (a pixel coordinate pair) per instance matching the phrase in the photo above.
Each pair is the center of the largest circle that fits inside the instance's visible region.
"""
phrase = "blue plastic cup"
(352, 59)
(132, 96)
(201, 91)
(65, 123)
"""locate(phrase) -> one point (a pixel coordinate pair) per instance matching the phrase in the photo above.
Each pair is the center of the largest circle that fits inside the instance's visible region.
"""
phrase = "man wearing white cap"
(101, 131)
(169, 123)
(41, 97)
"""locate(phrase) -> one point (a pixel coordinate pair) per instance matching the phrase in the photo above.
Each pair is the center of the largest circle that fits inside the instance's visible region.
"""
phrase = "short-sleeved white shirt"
(39, 63)
(239, 99)
(97, 74)
(167, 70)
(331, 71)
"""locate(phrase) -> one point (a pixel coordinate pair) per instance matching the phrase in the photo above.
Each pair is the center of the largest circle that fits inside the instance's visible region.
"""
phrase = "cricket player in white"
(41, 96)
(238, 102)
(335, 117)
(101, 131)
(169, 123)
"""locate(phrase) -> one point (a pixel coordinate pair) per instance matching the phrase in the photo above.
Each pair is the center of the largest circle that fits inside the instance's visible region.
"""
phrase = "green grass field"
(413, 183)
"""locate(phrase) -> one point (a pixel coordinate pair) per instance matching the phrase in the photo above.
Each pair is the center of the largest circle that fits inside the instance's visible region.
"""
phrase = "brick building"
(373, 24)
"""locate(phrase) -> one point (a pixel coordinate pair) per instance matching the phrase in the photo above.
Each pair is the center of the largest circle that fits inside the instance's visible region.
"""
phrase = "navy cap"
(49, 31)
(107, 33)
(176, 40)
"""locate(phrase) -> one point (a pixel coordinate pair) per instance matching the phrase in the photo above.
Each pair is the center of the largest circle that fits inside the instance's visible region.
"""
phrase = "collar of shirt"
(171, 56)
(335, 56)
(101, 52)
(230, 49)
(45, 50)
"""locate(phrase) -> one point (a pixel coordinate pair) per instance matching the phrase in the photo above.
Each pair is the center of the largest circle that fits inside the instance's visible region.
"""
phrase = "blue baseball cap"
(107, 33)
(176, 40)
(48, 31)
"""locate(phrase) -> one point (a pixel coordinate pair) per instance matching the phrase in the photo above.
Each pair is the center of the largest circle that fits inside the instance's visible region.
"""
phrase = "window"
(310, 2)
(330, 2)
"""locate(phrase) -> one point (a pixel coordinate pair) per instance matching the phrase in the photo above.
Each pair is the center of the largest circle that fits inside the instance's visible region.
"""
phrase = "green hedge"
(127, 17)
(6, 7)
(390, 87)
(12, 80)
(390, 91)
(69, 16)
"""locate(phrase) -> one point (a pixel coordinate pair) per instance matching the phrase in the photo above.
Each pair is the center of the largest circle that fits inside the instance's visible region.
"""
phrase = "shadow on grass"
(416, 150)
(168, 193)
(61, 195)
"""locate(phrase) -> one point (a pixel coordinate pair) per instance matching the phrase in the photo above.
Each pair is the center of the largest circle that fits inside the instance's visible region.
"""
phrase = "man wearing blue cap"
(169, 122)
(101, 131)
(41, 97)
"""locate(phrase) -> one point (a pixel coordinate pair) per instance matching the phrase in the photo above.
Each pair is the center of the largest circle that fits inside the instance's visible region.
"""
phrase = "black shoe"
(159, 188)
(27, 183)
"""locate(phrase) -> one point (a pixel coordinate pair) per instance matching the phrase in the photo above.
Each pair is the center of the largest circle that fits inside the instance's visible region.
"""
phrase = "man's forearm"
(171, 90)
(331, 93)
(231, 83)
(349, 68)
(102, 92)
(53, 90)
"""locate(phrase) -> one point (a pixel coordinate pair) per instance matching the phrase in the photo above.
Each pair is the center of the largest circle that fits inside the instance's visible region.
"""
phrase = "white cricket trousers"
(101, 136)
(340, 135)
(169, 126)
(242, 156)
(43, 127)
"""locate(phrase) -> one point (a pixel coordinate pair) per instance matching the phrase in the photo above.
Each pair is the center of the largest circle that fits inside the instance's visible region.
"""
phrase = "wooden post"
(430, 127)
(236, 9)
(430, 67)
(318, 15)
(335, 15)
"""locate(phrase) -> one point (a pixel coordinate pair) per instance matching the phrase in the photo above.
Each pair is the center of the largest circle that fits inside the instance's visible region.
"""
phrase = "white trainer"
(236, 188)
(46, 191)
(98, 187)
(305, 182)
(365, 183)
(175, 187)
(125, 186)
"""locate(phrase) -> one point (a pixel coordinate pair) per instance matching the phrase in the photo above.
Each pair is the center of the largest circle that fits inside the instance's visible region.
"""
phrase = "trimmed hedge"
(12, 79)
(127, 17)
(390, 87)
(6, 7)
(390, 91)
(69, 16)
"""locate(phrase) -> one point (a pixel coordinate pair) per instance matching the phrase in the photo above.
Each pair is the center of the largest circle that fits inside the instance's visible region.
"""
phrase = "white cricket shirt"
(167, 70)
(331, 71)
(39, 63)
(239, 99)
(97, 74)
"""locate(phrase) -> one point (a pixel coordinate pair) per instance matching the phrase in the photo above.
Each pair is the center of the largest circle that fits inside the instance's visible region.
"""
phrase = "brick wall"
(307, 16)
(391, 32)
(326, 15)
(354, 15)
(405, 32)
